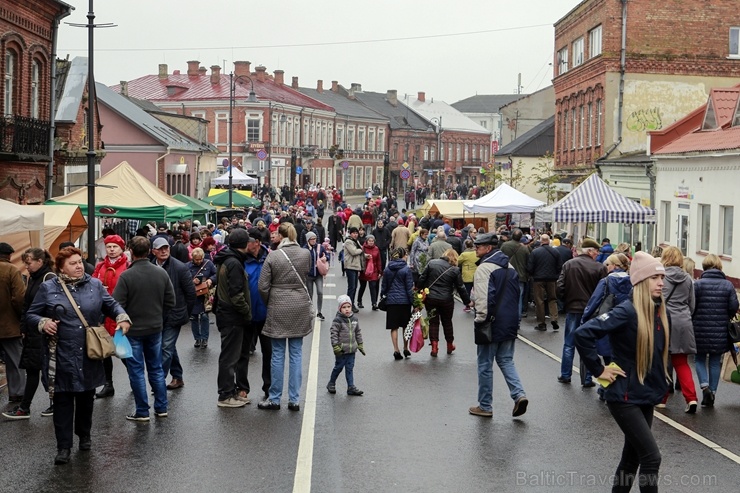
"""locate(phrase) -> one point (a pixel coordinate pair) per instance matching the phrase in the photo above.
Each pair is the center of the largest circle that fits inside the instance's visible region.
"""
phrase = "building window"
(283, 126)
(665, 213)
(578, 52)
(598, 121)
(565, 129)
(350, 138)
(590, 136)
(359, 175)
(10, 70)
(449, 153)
(704, 223)
(406, 153)
(467, 155)
(573, 128)
(426, 153)
(583, 126)
(458, 154)
(381, 140)
(594, 42)
(340, 137)
(253, 128)
(417, 152)
(395, 151)
(726, 218)
(432, 153)
(35, 73)
(735, 42)
(562, 61)
(379, 175)
(370, 139)
(222, 128)
(484, 124)
(361, 139)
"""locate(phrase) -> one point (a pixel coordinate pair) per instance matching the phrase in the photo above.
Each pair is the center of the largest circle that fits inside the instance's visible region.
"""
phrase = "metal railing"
(24, 136)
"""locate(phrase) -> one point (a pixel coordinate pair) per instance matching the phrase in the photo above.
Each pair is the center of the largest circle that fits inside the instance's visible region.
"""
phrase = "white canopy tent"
(238, 177)
(504, 199)
(21, 227)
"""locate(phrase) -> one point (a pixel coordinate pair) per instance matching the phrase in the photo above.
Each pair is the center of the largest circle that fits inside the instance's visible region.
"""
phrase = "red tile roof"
(200, 88)
(725, 101)
(704, 141)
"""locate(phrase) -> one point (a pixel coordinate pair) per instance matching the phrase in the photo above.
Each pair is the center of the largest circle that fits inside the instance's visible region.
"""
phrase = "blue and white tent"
(593, 201)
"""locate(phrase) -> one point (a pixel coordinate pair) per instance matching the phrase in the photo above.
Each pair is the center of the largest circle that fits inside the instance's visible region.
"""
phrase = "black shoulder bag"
(383, 303)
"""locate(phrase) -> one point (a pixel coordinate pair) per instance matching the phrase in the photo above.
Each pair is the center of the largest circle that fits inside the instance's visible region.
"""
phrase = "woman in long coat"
(282, 286)
(74, 375)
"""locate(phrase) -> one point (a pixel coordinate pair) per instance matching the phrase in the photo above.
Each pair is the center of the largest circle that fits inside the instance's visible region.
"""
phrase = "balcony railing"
(24, 136)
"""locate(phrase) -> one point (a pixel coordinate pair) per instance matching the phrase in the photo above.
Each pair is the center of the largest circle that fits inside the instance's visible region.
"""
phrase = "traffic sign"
(345, 164)
(405, 165)
(405, 174)
(298, 170)
(225, 162)
(261, 155)
(430, 172)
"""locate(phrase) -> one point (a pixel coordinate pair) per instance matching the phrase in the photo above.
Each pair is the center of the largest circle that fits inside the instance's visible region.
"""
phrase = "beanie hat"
(644, 266)
(341, 300)
(310, 235)
(238, 238)
(115, 239)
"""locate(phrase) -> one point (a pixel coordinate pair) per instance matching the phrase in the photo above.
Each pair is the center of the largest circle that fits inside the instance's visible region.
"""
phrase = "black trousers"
(640, 449)
(266, 348)
(33, 377)
(373, 291)
(233, 362)
(72, 409)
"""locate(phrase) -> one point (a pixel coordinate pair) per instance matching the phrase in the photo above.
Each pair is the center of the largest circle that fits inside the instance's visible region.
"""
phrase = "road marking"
(330, 285)
(331, 275)
(330, 296)
(304, 461)
(665, 419)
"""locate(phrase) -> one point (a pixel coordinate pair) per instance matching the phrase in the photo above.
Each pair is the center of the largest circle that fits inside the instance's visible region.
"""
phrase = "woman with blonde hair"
(715, 305)
(442, 276)
(678, 293)
(639, 334)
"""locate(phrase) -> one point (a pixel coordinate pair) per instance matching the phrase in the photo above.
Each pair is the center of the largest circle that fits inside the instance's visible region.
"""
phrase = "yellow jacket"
(467, 263)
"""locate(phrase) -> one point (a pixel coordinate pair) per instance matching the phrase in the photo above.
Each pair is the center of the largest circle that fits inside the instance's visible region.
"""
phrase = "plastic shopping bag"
(417, 339)
(123, 346)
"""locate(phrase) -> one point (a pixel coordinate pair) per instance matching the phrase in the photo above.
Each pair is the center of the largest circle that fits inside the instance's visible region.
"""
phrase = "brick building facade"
(27, 32)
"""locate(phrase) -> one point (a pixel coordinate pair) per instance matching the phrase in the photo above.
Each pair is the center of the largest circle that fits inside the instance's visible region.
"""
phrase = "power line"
(327, 43)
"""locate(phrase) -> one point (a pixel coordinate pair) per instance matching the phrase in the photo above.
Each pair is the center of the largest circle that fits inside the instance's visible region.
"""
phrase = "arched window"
(11, 69)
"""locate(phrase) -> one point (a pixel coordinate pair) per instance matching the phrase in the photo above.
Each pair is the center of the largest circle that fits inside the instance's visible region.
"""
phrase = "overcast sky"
(450, 50)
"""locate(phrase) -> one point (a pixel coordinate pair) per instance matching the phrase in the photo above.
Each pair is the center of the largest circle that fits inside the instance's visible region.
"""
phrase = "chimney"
(175, 72)
(202, 71)
(260, 72)
(355, 87)
(294, 85)
(421, 97)
(334, 86)
(162, 70)
(124, 88)
(280, 77)
(319, 86)
(193, 68)
(215, 74)
(242, 68)
(392, 97)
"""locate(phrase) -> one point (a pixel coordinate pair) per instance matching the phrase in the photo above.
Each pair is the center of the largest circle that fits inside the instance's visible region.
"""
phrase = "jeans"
(373, 292)
(572, 321)
(147, 351)
(319, 282)
(12, 348)
(708, 374)
(200, 324)
(233, 361)
(346, 362)
(522, 306)
(468, 287)
(170, 360)
(72, 413)
(640, 449)
(503, 353)
(542, 288)
(295, 348)
(445, 309)
(352, 276)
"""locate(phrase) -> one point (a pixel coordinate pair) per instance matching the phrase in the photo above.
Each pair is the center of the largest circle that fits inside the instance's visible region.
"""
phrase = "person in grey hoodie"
(678, 292)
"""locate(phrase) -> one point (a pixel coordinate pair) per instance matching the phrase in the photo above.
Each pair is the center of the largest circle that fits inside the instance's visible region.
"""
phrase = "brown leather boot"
(435, 348)
(450, 347)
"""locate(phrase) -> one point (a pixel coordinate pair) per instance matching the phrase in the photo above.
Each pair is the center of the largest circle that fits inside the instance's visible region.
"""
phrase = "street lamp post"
(281, 120)
(251, 99)
(437, 122)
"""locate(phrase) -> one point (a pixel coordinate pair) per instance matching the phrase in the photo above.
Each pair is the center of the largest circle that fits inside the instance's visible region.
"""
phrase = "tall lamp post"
(281, 120)
(437, 129)
(251, 99)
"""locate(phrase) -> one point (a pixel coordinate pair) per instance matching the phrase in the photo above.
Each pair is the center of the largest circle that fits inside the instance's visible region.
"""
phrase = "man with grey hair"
(544, 266)
(439, 246)
(576, 284)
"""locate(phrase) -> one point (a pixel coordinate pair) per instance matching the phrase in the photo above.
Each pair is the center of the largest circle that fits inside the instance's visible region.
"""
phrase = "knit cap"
(341, 300)
(644, 266)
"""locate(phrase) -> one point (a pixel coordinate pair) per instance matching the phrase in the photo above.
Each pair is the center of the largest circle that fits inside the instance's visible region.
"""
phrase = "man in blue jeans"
(146, 293)
(496, 285)
(175, 318)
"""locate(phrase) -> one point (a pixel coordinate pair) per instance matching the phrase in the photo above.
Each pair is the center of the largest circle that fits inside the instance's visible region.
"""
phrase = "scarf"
(72, 281)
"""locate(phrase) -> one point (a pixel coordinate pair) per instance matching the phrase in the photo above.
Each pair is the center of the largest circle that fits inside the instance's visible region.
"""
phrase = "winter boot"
(106, 391)
(435, 348)
(450, 347)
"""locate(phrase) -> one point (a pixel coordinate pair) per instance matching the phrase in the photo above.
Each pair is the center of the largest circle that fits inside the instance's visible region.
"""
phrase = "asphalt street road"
(410, 432)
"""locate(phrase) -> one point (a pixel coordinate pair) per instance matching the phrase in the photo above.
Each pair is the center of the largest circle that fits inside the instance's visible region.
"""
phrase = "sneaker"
(477, 411)
(137, 417)
(203, 344)
(320, 316)
(197, 343)
(360, 305)
(562, 379)
(49, 411)
(355, 309)
(162, 414)
(232, 401)
(540, 327)
(589, 384)
(375, 308)
(707, 397)
(555, 326)
(660, 406)
(354, 391)
(17, 413)
(85, 443)
(520, 406)
(466, 309)
(269, 405)
(293, 406)
(332, 388)
(691, 407)
(243, 396)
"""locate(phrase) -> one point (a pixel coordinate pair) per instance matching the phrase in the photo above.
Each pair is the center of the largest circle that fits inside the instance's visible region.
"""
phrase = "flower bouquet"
(418, 327)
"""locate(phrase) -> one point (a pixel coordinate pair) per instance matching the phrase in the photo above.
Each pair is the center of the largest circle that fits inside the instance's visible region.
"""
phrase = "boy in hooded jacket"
(346, 339)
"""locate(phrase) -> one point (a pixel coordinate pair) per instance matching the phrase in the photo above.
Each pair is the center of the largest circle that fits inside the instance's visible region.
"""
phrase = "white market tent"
(21, 227)
(504, 199)
(593, 201)
(238, 177)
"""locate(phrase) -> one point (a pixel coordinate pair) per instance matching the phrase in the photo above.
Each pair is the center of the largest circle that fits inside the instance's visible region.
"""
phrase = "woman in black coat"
(715, 305)
(39, 264)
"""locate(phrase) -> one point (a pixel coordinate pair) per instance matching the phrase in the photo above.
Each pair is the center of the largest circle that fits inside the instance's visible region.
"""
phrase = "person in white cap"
(638, 332)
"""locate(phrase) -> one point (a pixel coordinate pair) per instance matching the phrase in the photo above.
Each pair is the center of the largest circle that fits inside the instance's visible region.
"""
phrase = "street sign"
(298, 170)
(261, 155)
(430, 172)
(405, 174)
(494, 147)
(225, 162)
(345, 164)
(405, 165)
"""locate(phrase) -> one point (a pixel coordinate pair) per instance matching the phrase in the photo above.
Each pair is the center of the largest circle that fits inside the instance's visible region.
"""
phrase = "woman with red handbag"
(372, 272)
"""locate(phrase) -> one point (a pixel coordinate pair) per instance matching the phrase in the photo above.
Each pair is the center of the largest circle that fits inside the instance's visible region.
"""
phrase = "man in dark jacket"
(518, 254)
(178, 249)
(256, 255)
(544, 267)
(576, 284)
(12, 291)
(233, 314)
(179, 315)
(496, 285)
(455, 242)
(382, 236)
(334, 229)
(146, 293)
